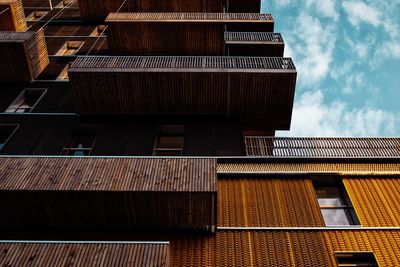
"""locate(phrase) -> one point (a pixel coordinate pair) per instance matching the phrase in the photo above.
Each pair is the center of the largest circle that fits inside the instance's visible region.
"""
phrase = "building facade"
(141, 133)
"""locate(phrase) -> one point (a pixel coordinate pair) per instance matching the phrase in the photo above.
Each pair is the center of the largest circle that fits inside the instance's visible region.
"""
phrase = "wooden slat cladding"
(174, 6)
(265, 44)
(110, 174)
(322, 147)
(376, 200)
(24, 55)
(250, 6)
(384, 244)
(188, 33)
(251, 87)
(60, 254)
(101, 193)
(12, 17)
(97, 11)
(304, 168)
(267, 202)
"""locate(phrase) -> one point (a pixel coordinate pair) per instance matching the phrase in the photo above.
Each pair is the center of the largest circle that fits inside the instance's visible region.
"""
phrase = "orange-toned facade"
(221, 192)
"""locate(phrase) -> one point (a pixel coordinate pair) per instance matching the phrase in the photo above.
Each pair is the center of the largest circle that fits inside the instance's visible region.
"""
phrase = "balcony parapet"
(23, 55)
(192, 34)
(266, 44)
(97, 193)
(252, 87)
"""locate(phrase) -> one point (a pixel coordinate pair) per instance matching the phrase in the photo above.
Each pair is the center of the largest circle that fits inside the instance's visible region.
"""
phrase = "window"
(63, 76)
(36, 15)
(98, 30)
(334, 202)
(6, 131)
(79, 145)
(169, 141)
(350, 259)
(69, 48)
(27, 100)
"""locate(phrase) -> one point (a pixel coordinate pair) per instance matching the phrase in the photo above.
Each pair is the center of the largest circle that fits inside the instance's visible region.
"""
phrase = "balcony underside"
(257, 89)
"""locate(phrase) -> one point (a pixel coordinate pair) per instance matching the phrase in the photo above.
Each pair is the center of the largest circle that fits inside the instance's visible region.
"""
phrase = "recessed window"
(27, 100)
(98, 30)
(350, 259)
(79, 145)
(6, 131)
(36, 15)
(169, 140)
(63, 76)
(335, 204)
(69, 48)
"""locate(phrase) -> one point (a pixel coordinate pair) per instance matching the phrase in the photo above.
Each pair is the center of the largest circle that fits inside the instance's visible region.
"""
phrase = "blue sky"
(347, 54)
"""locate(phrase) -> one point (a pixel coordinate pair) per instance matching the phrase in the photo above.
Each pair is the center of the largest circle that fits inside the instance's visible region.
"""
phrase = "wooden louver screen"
(23, 55)
(375, 200)
(267, 202)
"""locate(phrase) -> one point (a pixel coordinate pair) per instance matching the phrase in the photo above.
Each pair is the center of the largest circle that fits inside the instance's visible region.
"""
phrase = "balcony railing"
(322, 147)
(266, 44)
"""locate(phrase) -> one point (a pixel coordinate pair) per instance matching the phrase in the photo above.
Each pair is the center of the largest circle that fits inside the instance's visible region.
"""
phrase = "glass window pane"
(170, 142)
(334, 217)
(329, 196)
(82, 141)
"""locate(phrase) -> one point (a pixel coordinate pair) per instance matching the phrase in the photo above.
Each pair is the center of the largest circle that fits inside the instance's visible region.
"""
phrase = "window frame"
(11, 135)
(335, 181)
(355, 264)
(21, 97)
(66, 48)
(160, 133)
(80, 130)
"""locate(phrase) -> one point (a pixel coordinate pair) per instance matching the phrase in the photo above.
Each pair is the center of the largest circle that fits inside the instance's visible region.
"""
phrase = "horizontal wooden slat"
(322, 147)
(60, 254)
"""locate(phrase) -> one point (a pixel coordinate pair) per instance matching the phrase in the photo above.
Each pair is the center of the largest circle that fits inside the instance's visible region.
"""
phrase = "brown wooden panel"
(93, 10)
(57, 254)
(239, 6)
(267, 202)
(12, 17)
(24, 55)
(98, 193)
(261, 88)
(176, 33)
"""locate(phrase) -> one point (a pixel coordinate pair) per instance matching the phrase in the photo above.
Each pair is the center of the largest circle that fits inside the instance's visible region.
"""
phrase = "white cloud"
(312, 46)
(313, 117)
(326, 8)
(358, 12)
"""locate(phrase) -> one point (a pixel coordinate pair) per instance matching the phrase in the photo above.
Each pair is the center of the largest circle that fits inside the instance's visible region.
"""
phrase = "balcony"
(12, 17)
(259, 44)
(86, 253)
(253, 88)
(323, 147)
(191, 34)
(23, 55)
(115, 193)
